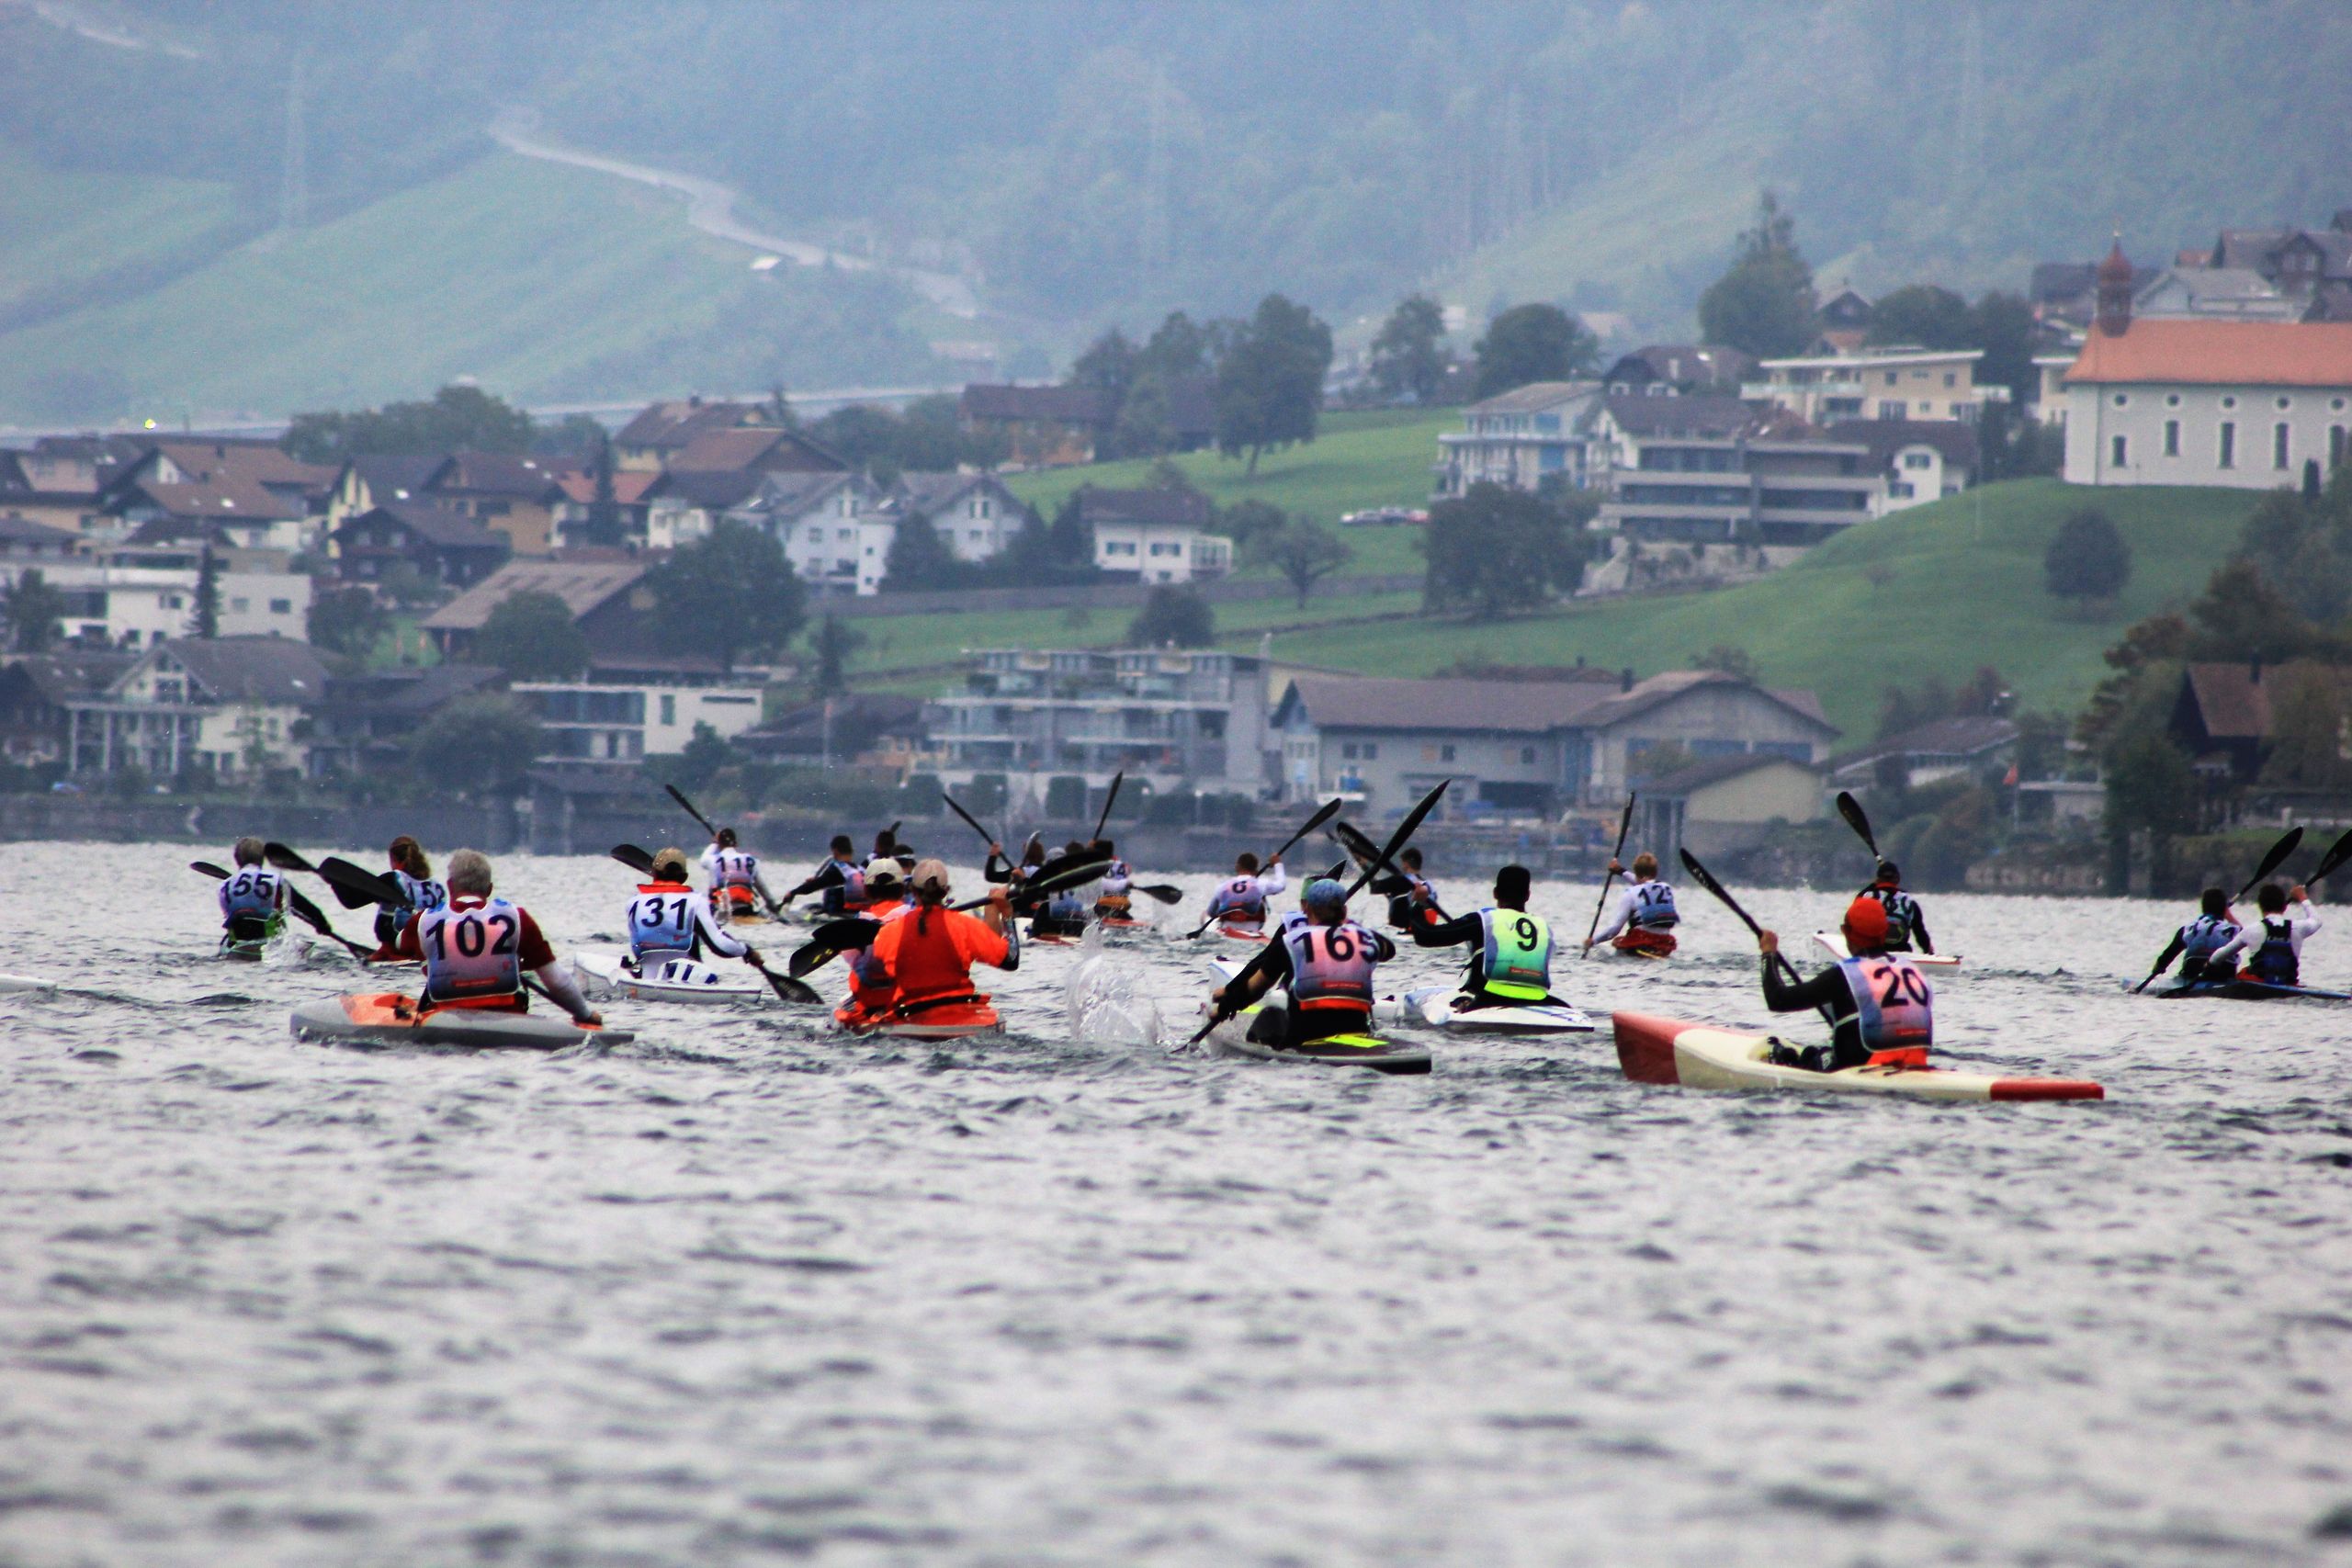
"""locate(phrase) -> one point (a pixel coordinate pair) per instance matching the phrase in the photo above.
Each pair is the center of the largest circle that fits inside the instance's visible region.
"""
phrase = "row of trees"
(1263, 374)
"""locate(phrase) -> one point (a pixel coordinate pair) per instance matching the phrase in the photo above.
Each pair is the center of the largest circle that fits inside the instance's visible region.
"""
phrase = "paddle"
(1323, 813)
(837, 936)
(2337, 853)
(1233, 989)
(679, 795)
(1706, 879)
(1859, 820)
(2277, 857)
(303, 908)
(1366, 854)
(1609, 881)
(636, 860)
(973, 822)
(1104, 820)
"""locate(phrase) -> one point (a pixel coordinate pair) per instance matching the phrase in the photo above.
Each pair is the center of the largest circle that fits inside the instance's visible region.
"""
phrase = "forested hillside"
(1084, 160)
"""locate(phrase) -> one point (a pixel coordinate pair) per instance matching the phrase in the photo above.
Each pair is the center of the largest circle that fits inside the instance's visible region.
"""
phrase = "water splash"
(1105, 998)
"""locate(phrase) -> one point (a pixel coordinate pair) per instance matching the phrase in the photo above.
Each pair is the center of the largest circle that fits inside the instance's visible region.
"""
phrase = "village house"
(135, 596)
(443, 547)
(623, 723)
(607, 599)
(977, 516)
(1042, 427)
(511, 494)
(682, 505)
(371, 481)
(361, 726)
(1671, 369)
(832, 528)
(1154, 536)
(2248, 404)
(24, 543)
(231, 706)
(1533, 438)
(1726, 805)
(661, 430)
(60, 480)
(1982, 748)
(879, 730)
(34, 691)
(1893, 382)
(630, 487)
(1698, 471)
(243, 493)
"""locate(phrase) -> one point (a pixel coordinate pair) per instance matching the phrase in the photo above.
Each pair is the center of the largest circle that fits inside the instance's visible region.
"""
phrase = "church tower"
(2115, 290)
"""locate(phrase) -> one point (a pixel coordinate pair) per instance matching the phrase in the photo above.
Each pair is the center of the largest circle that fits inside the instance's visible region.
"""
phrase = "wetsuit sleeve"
(2173, 950)
(532, 949)
(714, 934)
(1624, 912)
(996, 869)
(1383, 949)
(2306, 921)
(1275, 967)
(1455, 932)
(1826, 989)
(1919, 936)
(559, 986)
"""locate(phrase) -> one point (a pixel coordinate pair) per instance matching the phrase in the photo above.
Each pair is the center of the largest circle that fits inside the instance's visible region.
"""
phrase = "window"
(2229, 402)
(2172, 438)
(2172, 401)
(844, 534)
(669, 707)
(1891, 378)
(1950, 379)
(1890, 410)
(2122, 400)
(2122, 455)
(1900, 490)
(1445, 753)
(2229, 455)
(1347, 750)
(1916, 460)
(2278, 443)
(171, 601)
(241, 606)
(2286, 403)
(984, 508)
(2336, 404)
(2335, 444)
(1527, 755)
(277, 606)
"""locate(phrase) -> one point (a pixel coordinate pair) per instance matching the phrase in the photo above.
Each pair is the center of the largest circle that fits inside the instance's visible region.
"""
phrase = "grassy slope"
(1956, 600)
(1373, 459)
(507, 270)
(55, 224)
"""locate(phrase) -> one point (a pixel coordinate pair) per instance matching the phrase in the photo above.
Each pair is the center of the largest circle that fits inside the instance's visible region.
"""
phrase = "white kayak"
(394, 1019)
(1834, 942)
(26, 983)
(605, 973)
(1698, 1055)
(1231, 1038)
(1443, 1007)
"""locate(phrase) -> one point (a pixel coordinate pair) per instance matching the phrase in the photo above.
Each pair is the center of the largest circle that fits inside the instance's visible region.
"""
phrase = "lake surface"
(741, 1292)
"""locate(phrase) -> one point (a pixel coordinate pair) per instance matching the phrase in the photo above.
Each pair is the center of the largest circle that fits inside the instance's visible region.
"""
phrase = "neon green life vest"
(1516, 955)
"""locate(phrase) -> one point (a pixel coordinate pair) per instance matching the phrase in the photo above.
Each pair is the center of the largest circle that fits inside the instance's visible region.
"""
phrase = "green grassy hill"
(1961, 585)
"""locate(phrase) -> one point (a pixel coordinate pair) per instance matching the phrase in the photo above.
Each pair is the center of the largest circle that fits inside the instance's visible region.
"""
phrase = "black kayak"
(2254, 991)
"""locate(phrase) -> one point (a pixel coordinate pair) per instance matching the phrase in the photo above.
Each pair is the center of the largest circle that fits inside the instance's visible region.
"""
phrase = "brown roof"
(1188, 508)
(582, 585)
(676, 422)
(1969, 736)
(2190, 351)
(1955, 439)
(1715, 770)
(257, 462)
(1663, 688)
(629, 486)
(1058, 405)
(499, 473)
(436, 525)
(225, 499)
(1705, 418)
(2234, 699)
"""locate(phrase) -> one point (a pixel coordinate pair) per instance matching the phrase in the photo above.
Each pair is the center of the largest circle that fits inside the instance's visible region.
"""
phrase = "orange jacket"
(930, 953)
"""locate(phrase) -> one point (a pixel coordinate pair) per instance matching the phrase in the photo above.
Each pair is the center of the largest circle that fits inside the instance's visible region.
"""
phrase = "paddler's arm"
(532, 952)
(996, 868)
(1274, 879)
(406, 944)
(1452, 933)
(1824, 990)
(1616, 921)
(716, 936)
(2223, 959)
(1919, 928)
(2299, 908)
(2173, 950)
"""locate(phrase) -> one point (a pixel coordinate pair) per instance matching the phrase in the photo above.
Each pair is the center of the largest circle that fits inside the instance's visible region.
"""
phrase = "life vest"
(471, 954)
(419, 893)
(1239, 898)
(871, 989)
(1893, 1007)
(928, 962)
(1116, 878)
(2274, 962)
(1902, 913)
(1653, 907)
(661, 922)
(1515, 957)
(1331, 966)
(730, 868)
(2202, 938)
(254, 894)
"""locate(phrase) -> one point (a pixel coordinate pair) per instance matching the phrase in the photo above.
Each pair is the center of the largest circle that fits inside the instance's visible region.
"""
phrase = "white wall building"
(1887, 383)
(1533, 438)
(1162, 552)
(2252, 405)
(591, 723)
(138, 598)
(975, 513)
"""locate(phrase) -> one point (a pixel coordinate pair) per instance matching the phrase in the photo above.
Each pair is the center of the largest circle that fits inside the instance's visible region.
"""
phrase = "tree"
(1764, 305)
(478, 744)
(1107, 366)
(2241, 615)
(1728, 659)
(1173, 616)
(919, 557)
(1270, 383)
(603, 524)
(347, 621)
(2088, 561)
(2151, 788)
(2307, 730)
(1408, 354)
(532, 637)
(1303, 551)
(204, 618)
(1496, 551)
(2004, 327)
(32, 609)
(729, 592)
(573, 436)
(706, 752)
(1245, 521)
(457, 419)
(1533, 342)
(834, 644)
(1923, 316)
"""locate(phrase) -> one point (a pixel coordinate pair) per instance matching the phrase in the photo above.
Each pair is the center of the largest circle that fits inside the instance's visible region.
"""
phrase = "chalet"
(34, 691)
(245, 492)
(1918, 461)
(607, 600)
(1154, 536)
(754, 450)
(630, 487)
(1042, 427)
(512, 493)
(1668, 369)
(231, 706)
(1981, 747)
(682, 505)
(2223, 714)
(361, 726)
(24, 543)
(372, 480)
(662, 430)
(976, 515)
(833, 528)
(443, 547)
(60, 479)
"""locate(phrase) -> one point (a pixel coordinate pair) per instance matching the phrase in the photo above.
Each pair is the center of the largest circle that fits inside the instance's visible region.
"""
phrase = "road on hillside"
(710, 207)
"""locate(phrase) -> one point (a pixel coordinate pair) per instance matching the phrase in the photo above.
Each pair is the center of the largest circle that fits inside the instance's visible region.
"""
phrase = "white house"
(592, 723)
(976, 515)
(1532, 438)
(231, 706)
(1155, 535)
(2252, 405)
(1885, 383)
(834, 527)
(139, 597)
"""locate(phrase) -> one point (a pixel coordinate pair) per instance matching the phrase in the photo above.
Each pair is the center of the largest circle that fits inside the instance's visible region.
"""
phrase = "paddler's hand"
(1001, 899)
(594, 1020)
(750, 955)
(2298, 893)
(1768, 942)
(1616, 867)
(1217, 998)
(996, 849)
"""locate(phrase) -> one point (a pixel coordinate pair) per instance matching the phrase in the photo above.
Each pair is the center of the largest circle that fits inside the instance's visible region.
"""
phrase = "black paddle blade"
(1403, 834)
(1858, 820)
(846, 933)
(285, 859)
(355, 885)
(1160, 893)
(2286, 846)
(1360, 849)
(679, 795)
(969, 820)
(206, 868)
(1108, 800)
(1706, 879)
(2337, 853)
(636, 860)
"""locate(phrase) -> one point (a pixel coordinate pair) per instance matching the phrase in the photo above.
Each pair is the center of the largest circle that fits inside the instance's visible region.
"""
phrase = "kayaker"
(1114, 898)
(1412, 904)
(476, 948)
(252, 896)
(1510, 949)
(2196, 943)
(1239, 901)
(666, 921)
(2273, 945)
(1327, 962)
(835, 876)
(872, 990)
(733, 875)
(419, 891)
(1907, 927)
(1644, 919)
(928, 952)
(1880, 1006)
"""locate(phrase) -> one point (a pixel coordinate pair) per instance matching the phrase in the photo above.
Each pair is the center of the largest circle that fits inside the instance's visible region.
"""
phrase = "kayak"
(1698, 1055)
(1243, 933)
(1231, 1037)
(24, 983)
(392, 1018)
(1834, 942)
(604, 972)
(251, 949)
(1435, 1007)
(946, 1021)
(2245, 990)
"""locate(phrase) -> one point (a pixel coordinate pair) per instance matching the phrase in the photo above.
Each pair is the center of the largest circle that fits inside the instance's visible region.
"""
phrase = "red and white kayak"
(1833, 943)
(946, 1021)
(1242, 933)
(1698, 1056)
(394, 1019)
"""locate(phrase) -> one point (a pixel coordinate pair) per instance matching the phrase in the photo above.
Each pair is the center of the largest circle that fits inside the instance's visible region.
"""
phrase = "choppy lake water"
(743, 1292)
